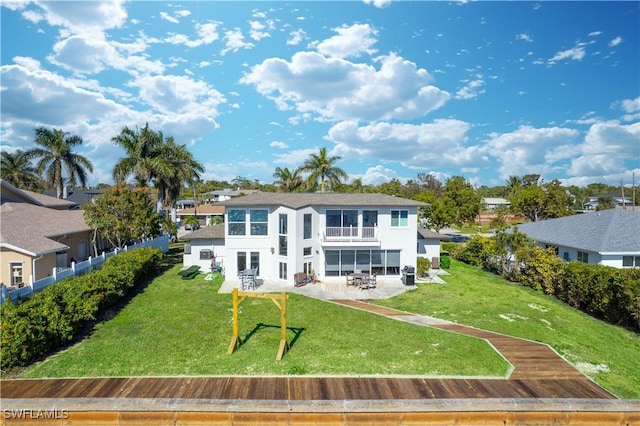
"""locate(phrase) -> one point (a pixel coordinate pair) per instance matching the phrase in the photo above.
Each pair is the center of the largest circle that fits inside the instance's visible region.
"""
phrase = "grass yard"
(183, 327)
(608, 354)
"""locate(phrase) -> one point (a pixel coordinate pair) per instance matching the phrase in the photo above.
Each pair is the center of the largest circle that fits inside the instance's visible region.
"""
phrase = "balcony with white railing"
(338, 235)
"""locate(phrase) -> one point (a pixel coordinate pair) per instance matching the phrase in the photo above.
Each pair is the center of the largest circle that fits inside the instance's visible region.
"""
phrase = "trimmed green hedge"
(604, 292)
(52, 318)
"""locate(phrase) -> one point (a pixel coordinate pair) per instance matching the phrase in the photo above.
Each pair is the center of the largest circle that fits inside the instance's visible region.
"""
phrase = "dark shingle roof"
(606, 231)
(206, 233)
(297, 200)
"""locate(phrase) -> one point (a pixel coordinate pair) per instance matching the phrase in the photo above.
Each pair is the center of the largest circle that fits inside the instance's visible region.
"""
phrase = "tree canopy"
(123, 216)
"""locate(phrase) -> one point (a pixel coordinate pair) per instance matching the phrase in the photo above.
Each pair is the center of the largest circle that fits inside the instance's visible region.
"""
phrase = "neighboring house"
(494, 203)
(608, 237)
(220, 195)
(10, 193)
(204, 213)
(204, 247)
(37, 234)
(77, 196)
(331, 234)
(429, 244)
(618, 201)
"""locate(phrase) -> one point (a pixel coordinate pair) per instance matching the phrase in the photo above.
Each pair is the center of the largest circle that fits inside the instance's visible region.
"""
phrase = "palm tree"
(514, 183)
(287, 180)
(321, 167)
(175, 166)
(17, 169)
(142, 148)
(55, 153)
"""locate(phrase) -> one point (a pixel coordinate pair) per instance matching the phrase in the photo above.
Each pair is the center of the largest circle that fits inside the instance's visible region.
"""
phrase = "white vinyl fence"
(80, 268)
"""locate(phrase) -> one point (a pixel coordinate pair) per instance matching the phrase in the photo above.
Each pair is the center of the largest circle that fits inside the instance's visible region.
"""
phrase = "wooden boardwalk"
(542, 388)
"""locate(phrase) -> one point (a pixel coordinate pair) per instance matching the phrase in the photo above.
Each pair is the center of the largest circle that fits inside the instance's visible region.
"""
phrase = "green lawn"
(178, 327)
(608, 354)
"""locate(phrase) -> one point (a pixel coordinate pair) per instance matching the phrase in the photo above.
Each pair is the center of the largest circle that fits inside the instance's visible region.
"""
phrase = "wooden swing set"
(280, 300)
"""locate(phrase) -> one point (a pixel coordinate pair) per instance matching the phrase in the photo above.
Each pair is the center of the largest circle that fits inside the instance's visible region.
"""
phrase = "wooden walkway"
(542, 388)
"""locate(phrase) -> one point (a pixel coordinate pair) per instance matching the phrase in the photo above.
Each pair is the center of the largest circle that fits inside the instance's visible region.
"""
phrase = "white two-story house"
(330, 234)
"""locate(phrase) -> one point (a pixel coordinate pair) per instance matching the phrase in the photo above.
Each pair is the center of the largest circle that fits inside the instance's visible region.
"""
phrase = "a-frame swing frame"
(280, 300)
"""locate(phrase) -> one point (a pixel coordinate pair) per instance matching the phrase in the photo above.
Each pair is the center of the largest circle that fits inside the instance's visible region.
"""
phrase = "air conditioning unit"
(206, 254)
(17, 274)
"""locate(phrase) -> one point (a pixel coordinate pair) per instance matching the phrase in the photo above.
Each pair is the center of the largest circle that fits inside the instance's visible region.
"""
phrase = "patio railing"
(79, 268)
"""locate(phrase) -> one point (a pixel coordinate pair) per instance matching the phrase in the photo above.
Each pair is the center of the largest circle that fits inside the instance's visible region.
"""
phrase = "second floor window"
(237, 219)
(259, 220)
(399, 218)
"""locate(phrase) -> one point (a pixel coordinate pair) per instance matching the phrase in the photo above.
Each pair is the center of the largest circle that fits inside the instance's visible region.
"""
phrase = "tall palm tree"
(175, 166)
(321, 167)
(142, 147)
(287, 180)
(54, 150)
(17, 169)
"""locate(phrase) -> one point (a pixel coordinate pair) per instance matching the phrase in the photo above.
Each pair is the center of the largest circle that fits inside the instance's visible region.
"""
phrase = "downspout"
(33, 269)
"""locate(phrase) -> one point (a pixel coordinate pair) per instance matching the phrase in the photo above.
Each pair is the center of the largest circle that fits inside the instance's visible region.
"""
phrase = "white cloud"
(377, 175)
(472, 89)
(524, 37)
(278, 144)
(296, 157)
(616, 41)
(378, 3)
(167, 17)
(412, 145)
(576, 53)
(631, 105)
(258, 30)
(29, 63)
(529, 150)
(350, 41)
(86, 16)
(335, 89)
(170, 94)
(296, 37)
(234, 41)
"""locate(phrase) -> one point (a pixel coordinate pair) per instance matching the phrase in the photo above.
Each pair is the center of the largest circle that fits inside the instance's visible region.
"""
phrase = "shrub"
(53, 317)
(445, 261)
(476, 251)
(542, 269)
(423, 266)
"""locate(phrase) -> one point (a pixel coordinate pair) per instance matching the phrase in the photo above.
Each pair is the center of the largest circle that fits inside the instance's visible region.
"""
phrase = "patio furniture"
(301, 278)
(248, 279)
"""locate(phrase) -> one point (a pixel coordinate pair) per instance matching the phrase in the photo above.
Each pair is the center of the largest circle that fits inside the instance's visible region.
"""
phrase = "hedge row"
(53, 317)
(604, 292)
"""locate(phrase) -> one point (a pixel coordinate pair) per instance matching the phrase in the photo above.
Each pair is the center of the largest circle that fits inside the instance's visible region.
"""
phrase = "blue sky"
(484, 90)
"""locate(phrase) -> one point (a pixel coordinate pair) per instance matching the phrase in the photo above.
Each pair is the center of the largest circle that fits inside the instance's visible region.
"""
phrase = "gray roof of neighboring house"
(605, 231)
(11, 193)
(78, 196)
(427, 234)
(27, 227)
(213, 232)
(297, 200)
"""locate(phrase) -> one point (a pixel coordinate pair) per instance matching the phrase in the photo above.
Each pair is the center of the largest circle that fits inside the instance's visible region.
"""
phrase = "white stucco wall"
(403, 239)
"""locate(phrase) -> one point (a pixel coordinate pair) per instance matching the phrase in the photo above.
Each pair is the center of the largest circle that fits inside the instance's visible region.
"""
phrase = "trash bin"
(409, 275)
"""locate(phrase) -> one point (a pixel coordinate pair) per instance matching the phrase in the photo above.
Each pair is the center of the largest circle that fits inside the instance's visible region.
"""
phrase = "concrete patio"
(335, 288)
